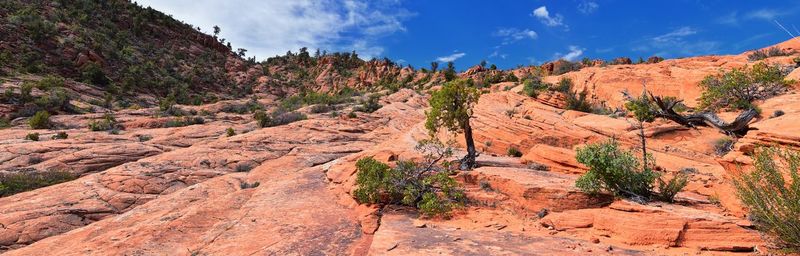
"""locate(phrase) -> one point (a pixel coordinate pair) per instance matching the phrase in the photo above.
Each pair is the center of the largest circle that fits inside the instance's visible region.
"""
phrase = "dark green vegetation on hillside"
(113, 44)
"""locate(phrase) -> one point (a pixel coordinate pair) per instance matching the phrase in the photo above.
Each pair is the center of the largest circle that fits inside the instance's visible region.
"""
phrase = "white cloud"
(675, 35)
(451, 57)
(271, 27)
(675, 43)
(588, 7)
(729, 19)
(764, 14)
(574, 53)
(544, 16)
(512, 35)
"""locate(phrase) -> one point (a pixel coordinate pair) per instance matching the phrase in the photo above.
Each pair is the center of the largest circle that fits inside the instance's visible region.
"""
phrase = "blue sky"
(506, 33)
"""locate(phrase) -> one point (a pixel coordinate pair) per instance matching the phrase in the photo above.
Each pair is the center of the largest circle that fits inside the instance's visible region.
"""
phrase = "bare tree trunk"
(738, 127)
(469, 160)
(644, 145)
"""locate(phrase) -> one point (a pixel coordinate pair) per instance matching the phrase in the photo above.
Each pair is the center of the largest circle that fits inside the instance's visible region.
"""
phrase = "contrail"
(784, 29)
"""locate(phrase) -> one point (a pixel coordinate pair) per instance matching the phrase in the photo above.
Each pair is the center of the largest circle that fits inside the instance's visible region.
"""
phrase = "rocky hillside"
(152, 181)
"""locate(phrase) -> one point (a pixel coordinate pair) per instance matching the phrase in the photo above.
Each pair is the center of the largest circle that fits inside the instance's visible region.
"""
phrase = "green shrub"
(55, 99)
(533, 86)
(321, 108)
(60, 136)
(311, 98)
(277, 118)
(262, 119)
(766, 53)
(145, 137)
(575, 100)
(565, 67)
(22, 180)
(774, 201)
(25, 92)
(167, 107)
(184, 121)
(34, 136)
(92, 73)
(230, 132)
(49, 82)
(4, 122)
(351, 115)
(245, 185)
(667, 190)
(106, 123)
(723, 145)
(40, 120)
(426, 186)
(738, 88)
(614, 170)
(243, 167)
(514, 152)
(370, 105)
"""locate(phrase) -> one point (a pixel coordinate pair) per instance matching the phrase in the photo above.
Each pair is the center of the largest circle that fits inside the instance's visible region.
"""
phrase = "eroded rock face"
(293, 149)
(287, 190)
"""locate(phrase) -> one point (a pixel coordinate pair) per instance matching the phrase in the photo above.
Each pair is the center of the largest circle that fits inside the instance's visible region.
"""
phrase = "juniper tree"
(451, 109)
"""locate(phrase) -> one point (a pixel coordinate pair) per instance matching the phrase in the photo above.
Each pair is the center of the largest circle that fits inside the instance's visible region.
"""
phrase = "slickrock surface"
(177, 191)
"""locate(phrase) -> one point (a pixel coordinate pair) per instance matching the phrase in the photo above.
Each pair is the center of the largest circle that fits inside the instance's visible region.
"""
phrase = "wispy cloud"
(512, 35)
(271, 27)
(675, 35)
(729, 19)
(544, 16)
(735, 18)
(764, 14)
(675, 43)
(451, 57)
(588, 7)
(574, 53)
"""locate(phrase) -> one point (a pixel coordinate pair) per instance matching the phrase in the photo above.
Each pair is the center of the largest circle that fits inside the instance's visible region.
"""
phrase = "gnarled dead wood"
(738, 127)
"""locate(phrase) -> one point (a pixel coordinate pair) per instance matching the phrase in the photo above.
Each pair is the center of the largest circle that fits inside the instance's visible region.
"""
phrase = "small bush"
(40, 120)
(277, 118)
(774, 201)
(34, 136)
(55, 99)
(538, 167)
(723, 145)
(92, 73)
(575, 100)
(49, 82)
(245, 185)
(230, 132)
(4, 122)
(425, 186)
(145, 137)
(370, 105)
(511, 112)
(184, 121)
(766, 53)
(351, 115)
(250, 106)
(513, 152)
(321, 108)
(22, 180)
(60, 136)
(667, 190)
(738, 88)
(777, 113)
(533, 87)
(106, 123)
(614, 170)
(243, 167)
